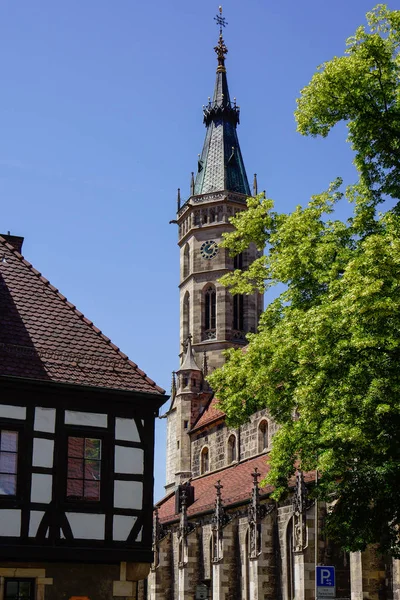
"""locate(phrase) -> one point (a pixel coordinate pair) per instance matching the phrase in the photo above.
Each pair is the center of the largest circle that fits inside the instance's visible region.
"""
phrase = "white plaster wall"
(43, 451)
(41, 488)
(73, 417)
(129, 460)
(122, 526)
(128, 494)
(35, 518)
(8, 411)
(10, 522)
(87, 526)
(45, 419)
(125, 429)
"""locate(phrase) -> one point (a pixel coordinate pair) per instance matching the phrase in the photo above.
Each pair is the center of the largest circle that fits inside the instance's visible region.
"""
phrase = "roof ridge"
(79, 314)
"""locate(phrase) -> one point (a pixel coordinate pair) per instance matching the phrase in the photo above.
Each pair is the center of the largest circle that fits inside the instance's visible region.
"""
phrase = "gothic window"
(238, 261)
(8, 462)
(197, 217)
(210, 300)
(238, 320)
(290, 561)
(84, 469)
(186, 316)
(263, 435)
(232, 453)
(205, 461)
(19, 589)
(186, 261)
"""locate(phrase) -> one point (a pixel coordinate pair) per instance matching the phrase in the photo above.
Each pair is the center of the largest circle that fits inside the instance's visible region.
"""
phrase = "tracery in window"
(84, 469)
(210, 312)
(8, 462)
(186, 316)
(238, 319)
(232, 453)
(263, 435)
(238, 261)
(204, 461)
(186, 261)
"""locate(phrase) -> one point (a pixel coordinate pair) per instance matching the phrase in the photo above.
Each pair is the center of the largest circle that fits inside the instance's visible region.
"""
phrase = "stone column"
(396, 579)
(356, 576)
(216, 581)
(298, 558)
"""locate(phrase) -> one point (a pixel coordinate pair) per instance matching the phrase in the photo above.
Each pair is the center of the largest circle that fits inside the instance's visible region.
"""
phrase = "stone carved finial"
(192, 184)
(255, 185)
(300, 505)
(219, 520)
(173, 386)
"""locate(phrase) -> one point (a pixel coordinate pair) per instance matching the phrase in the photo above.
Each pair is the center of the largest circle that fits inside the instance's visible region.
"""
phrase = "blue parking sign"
(325, 577)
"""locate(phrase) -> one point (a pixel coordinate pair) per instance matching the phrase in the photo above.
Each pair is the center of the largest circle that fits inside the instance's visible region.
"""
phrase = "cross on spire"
(220, 20)
(220, 48)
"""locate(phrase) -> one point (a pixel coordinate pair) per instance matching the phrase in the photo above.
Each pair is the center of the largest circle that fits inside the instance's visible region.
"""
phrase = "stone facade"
(217, 532)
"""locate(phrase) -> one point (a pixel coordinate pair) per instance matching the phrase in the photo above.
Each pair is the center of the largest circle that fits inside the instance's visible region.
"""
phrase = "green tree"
(362, 88)
(325, 361)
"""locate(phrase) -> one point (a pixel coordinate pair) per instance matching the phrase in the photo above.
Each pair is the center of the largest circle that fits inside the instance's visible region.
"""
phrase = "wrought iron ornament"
(220, 20)
(220, 48)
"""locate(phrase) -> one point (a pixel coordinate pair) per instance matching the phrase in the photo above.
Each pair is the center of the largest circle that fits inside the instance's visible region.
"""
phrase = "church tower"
(211, 319)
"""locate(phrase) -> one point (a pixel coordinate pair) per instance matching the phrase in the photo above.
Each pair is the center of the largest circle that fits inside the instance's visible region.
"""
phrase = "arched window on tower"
(210, 312)
(232, 450)
(238, 320)
(186, 261)
(204, 461)
(186, 317)
(263, 435)
(238, 261)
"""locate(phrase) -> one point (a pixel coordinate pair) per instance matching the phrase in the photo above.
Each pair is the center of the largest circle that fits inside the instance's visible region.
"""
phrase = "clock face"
(209, 249)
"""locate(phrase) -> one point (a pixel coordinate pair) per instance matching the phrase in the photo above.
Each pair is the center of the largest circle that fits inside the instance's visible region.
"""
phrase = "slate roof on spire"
(221, 166)
(43, 335)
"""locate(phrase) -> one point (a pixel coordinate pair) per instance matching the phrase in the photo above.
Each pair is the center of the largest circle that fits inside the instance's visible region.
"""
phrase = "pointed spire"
(255, 185)
(221, 169)
(188, 359)
(178, 200)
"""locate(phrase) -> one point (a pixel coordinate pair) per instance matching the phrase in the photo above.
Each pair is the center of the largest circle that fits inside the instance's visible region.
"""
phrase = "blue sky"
(101, 122)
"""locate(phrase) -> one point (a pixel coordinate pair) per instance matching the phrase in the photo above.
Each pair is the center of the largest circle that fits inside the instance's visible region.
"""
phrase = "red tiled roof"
(44, 336)
(237, 486)
(210, 414)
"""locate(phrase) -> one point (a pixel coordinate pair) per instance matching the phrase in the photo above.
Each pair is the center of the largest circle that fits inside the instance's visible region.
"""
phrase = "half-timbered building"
(76, 447)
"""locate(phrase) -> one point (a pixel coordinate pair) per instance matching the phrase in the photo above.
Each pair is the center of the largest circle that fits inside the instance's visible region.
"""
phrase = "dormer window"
(84, 469)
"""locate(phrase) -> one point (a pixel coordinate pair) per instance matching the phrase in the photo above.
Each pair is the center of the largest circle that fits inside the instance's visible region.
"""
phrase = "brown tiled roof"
(44, 336)
(237, 486)
(211, 413)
